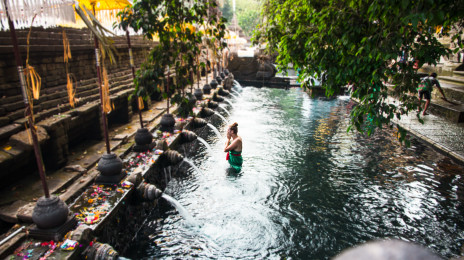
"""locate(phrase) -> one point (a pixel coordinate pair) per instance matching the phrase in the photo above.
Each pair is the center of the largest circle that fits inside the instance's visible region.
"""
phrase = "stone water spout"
(229, 82)
(212, 104)
(148, 191)
(188, 136)
(223, 92)
(206, 112)
(171, 157)
(198, 123)
(217, 98)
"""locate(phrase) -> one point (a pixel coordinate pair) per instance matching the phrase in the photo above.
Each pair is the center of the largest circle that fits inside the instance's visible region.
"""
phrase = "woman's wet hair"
(234, 128)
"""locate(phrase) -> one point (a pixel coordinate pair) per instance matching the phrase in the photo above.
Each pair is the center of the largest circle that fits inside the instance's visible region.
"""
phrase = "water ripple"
(308, 189)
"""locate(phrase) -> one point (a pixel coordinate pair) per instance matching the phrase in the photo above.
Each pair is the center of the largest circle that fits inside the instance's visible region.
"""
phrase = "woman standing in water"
(234, 148)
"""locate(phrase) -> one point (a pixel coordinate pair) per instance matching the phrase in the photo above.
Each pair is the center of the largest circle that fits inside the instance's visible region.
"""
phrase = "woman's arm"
(231, 146)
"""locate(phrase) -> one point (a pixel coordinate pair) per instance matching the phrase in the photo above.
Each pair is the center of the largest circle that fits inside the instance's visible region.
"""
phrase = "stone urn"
(167, 123)
(143, 136)
(219, 80)
(192, 99)
(207, 89)
(198, 94)
(213, 84)
(50, 212)
(109, 165)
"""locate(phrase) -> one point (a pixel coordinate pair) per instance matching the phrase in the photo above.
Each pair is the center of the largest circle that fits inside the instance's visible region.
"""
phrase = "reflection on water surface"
(308, 189)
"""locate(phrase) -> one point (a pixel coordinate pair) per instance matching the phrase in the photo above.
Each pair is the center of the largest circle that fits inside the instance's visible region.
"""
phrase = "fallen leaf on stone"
(81, 181)
(7, 148)
(85, 152)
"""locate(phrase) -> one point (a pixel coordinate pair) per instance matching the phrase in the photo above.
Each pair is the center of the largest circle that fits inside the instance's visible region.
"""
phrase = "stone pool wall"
(60, 126)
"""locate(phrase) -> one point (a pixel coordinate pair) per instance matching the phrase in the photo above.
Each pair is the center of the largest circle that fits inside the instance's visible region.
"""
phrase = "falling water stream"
(308, 189)
(203, 141)
(228, 101)
(189, 162)
(237, 85)
(236, 92)
(235, 96)
(216, 131)
(189, 220)
(221, 116)
(225, 110)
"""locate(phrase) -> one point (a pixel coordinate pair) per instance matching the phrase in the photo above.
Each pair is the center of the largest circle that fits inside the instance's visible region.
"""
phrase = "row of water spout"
(182, 211)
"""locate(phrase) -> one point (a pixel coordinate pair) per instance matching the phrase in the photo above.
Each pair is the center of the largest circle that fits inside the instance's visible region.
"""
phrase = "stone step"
(55, 99)
(453, 79)
(454, 112)
(88, 81)
(453, 91)
(458, 73)
(453, 109)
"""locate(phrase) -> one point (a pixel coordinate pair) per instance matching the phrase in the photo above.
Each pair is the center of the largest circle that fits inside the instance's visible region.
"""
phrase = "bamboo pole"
(131, 60)
(167, 92)
(35, 141)
(103, 113)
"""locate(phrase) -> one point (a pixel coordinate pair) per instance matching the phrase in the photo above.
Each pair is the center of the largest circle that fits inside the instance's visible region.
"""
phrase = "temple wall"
(62, 126)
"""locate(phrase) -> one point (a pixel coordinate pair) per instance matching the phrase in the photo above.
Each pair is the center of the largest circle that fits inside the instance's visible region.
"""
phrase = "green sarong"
(235, 160)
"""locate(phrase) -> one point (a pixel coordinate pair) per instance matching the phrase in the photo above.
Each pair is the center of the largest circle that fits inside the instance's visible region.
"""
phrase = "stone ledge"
(9, 130)
(443, 149)
(24, 140)
(459, 80)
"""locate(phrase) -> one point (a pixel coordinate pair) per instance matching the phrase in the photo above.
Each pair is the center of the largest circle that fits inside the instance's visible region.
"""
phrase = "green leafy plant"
(181, 27)
(370, 44)
(184, 104)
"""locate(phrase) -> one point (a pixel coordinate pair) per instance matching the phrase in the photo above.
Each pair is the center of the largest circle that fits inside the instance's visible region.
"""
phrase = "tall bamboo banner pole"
(167, 91)
(35, 141)
(131, 60)
(103, 113)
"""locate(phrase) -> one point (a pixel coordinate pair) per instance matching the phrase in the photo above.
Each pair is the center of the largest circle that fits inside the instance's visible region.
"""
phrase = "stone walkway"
(442, 134)
(75, 176)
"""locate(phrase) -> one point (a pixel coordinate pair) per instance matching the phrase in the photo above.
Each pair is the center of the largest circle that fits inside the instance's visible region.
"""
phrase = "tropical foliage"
(181, 27)
(372, 45)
